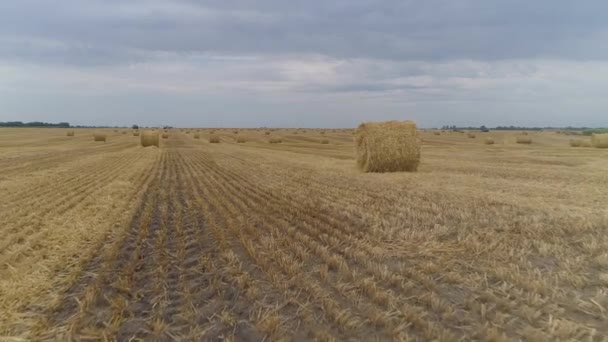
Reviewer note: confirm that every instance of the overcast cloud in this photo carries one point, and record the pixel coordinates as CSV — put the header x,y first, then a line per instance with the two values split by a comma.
x,y
326,63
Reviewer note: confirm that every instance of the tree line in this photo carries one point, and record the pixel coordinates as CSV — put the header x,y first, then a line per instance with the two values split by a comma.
x,y
515,128
33,124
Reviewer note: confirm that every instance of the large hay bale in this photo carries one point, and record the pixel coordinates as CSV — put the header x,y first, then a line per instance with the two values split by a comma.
x,y
70,133
489,141
165,135
99,137
599,140
196,136
149,138
471,135
214,139
275,140
387,146
523,139
436,133
324,141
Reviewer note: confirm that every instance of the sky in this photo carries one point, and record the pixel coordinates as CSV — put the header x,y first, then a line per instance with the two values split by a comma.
x,y
314,63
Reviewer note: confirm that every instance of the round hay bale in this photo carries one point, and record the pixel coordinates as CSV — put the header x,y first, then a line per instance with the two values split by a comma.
x,y
489,141
165,135
196,136
471,135
124,132
523,139
275,140
324,141
235,132
70,133
241,140
585,143
599,140
436,133
387,146
214,139
149,138
99,137
267,133
323,132
136,134
576,142
524,133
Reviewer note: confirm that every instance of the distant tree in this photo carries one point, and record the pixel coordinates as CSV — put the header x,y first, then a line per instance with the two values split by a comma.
x,y
135,127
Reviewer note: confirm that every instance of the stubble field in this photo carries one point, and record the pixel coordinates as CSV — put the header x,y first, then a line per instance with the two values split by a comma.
x,y
289,241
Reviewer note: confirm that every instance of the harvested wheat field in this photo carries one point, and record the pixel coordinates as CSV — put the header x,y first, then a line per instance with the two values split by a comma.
x,y
292,241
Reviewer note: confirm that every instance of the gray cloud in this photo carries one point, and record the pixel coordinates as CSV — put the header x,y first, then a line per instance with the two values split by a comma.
x,y
463,62
393,29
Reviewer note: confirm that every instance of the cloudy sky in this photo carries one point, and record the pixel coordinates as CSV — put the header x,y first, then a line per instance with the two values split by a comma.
x,y
315,63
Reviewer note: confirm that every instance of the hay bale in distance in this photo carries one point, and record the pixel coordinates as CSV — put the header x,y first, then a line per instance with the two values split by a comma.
x,y
471,135
136,134
241,140
576,142
324,141
489,141
523,139
196,136
99,137
275,140
149,138
165,135
387,146
214,139
267,133
436,133
70,133
599,140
